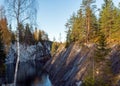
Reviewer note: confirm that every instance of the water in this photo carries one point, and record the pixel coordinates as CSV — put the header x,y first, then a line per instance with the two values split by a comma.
x,y
29,74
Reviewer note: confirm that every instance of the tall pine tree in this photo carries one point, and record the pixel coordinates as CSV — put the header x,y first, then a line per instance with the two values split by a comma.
x,y
106,18
88,7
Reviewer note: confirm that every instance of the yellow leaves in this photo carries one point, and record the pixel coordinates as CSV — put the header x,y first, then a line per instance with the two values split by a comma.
x,y
6,33
36,35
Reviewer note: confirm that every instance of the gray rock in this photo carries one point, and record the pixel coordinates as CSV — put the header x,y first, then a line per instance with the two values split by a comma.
x,y
29,52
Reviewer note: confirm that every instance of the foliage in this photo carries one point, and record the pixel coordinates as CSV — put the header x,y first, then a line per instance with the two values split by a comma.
x,y
109,17
40,35
102,48
21,33
6,32
28,35
101,63
89,81
84,26
68,38
55,46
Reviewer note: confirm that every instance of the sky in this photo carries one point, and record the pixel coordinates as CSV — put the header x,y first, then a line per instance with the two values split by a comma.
x,y
53,15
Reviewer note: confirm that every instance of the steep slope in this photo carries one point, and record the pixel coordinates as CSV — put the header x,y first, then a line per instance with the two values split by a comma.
x,y
69,65
115,59
115,64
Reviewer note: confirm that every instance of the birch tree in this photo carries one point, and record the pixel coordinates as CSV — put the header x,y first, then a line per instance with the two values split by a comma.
x,y
20,11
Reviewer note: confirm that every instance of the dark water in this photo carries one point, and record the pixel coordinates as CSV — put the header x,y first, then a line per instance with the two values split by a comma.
x,y
28,73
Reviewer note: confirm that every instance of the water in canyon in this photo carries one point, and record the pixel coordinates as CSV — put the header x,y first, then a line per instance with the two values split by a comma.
x,y
30,73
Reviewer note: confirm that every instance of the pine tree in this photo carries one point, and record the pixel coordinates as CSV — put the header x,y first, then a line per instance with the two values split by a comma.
x,y
115,31
94,28
54,48
81,26
88,8
102,48
40,36
28,35
13,39
106,18
2,55
21,33
77,32
68,35
70,27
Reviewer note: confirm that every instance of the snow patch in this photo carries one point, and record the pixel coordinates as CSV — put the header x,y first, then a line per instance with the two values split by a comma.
x,y
31,52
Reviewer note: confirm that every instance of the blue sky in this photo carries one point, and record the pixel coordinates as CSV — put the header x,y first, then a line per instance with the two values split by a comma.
x,y
53,14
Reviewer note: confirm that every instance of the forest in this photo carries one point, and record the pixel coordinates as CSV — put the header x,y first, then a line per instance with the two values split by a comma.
x,y
90,54
86,26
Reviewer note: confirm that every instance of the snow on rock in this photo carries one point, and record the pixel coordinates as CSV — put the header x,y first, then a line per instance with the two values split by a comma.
x,y
32,52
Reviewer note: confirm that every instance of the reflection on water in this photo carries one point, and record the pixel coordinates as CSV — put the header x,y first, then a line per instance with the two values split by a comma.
x,y
29,74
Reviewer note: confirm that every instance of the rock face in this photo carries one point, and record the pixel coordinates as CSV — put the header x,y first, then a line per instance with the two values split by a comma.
x,y
39,51
115,59
69,65
32,60
115,66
